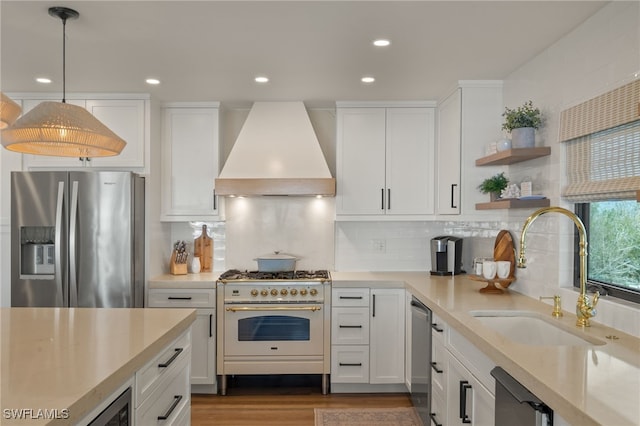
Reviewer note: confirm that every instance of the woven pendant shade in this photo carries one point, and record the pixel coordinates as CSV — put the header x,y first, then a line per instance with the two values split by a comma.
x,y
9,111
63,130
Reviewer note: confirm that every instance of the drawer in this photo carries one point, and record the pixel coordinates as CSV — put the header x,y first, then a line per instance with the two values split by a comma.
x,y
473,358
438,367
179,298
149,377
350,364
438,414
350,297
169,400
350,326
438,328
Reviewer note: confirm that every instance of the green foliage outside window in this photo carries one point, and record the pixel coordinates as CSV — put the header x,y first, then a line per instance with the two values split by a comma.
x,y
614,243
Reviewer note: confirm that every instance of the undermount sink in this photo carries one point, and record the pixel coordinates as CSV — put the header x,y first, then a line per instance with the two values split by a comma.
x,y
532,328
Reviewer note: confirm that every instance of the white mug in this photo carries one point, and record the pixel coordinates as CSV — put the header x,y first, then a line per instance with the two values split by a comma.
x,y
504,268
489,269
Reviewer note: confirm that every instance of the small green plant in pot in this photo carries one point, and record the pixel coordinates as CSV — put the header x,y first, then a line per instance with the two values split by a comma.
x,y
522,123
494,185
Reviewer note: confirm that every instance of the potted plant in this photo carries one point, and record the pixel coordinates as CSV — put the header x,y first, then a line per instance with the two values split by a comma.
x,y
522,123
494,186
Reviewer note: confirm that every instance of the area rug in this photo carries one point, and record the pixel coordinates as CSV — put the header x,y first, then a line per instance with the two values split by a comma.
x,y
366,417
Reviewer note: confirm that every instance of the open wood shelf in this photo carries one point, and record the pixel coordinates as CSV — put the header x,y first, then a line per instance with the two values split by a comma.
x,y
514,155
513,203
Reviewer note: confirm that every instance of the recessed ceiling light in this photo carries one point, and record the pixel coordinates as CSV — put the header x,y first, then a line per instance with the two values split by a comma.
x,y
153,81
381,42
43,80
367,79
262,79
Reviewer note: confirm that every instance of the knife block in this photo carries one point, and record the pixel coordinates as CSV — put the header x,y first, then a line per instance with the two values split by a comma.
x,y
177,268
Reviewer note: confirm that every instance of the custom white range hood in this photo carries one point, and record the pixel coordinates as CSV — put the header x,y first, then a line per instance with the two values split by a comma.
x,y
276,153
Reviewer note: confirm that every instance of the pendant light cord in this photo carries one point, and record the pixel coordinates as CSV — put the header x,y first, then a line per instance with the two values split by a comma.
x,y
64,60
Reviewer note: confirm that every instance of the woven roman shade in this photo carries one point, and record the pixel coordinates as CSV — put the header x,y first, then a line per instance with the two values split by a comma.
x,y
602,138
611,109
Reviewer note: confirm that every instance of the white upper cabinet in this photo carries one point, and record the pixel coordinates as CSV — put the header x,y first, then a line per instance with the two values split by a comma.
x,y
448,154
190,161
128,116
469,119
385,161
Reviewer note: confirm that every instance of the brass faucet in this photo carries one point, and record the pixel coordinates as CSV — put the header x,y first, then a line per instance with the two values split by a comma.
x,y
585,308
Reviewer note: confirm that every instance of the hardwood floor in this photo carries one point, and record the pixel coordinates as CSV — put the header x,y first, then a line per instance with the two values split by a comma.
x,y
278,401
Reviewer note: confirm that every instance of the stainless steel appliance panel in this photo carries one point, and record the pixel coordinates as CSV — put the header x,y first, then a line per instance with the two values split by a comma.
x,y
101,248
96,223
39,203
516,405
421,359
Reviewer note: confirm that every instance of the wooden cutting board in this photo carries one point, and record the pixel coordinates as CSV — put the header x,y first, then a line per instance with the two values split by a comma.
x,y
203,248
504,249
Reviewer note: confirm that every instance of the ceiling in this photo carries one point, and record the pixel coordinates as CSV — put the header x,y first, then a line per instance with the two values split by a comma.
x,y
315,51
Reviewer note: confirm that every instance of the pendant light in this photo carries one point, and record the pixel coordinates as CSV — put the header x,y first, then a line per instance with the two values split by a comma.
x,y
58,128
9,111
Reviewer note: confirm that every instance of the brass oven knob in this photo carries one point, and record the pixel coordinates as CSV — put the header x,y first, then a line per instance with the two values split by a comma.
x,y
294,291
254,292
313,292
264,292
274,292
303,292
284,292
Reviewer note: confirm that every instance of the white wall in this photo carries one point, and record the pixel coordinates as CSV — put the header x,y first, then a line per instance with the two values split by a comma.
x,y
600,55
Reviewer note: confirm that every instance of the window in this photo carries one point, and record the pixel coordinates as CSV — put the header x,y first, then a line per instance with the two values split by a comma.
x,y
602,140
613,261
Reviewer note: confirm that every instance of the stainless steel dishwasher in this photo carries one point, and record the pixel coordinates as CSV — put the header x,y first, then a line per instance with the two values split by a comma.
x,y
516,405
421,359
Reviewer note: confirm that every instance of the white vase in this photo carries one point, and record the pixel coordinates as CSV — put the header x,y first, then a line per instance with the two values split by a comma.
x,y
504,144
523,137
195,265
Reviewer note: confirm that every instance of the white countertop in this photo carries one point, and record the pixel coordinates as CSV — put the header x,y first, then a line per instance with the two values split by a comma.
x,y
72,359
586,385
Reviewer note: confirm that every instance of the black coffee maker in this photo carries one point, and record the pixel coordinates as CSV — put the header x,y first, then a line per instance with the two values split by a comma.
x,y
446,255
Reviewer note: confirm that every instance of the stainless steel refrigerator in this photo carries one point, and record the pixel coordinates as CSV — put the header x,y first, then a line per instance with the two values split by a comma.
x,y
77,239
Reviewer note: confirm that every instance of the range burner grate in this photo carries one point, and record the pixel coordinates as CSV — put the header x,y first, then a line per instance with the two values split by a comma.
x,y
237,275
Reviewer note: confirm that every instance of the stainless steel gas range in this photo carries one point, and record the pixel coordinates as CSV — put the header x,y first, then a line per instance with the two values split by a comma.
x,y
273,323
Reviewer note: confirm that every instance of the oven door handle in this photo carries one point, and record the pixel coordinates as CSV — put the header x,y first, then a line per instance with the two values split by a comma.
x,y
271,308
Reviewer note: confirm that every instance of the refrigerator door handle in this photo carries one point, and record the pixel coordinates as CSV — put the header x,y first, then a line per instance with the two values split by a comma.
x,y
73,282
60,296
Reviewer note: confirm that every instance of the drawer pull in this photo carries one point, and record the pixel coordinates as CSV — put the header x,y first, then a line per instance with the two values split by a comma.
x,y
173,358
351,297
433,419
350,326
178,298
348,364
436,328
434,365
176,401
464,386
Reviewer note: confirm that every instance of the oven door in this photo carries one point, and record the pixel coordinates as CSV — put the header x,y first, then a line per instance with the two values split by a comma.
x,y
273,330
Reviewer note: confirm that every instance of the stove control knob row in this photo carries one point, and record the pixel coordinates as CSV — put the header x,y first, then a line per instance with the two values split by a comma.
x,y
274,292
284,292
313,292
293,291
303,292
254,292
264,293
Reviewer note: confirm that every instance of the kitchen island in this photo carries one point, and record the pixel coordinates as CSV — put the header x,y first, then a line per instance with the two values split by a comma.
x,y
585,385
59,364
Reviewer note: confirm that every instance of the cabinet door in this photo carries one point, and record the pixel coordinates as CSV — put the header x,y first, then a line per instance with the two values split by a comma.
x,y
410,161
448,154
360,161
189,164
387,345
468,401
47,161
203,353
127,119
